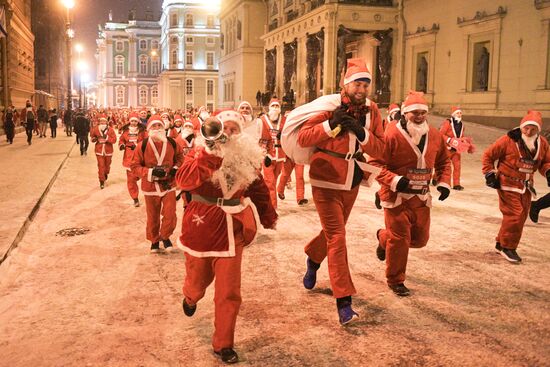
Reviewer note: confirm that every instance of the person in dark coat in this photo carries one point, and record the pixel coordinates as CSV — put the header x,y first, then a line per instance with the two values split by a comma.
x,y
82,129
53,123
68,121
9,124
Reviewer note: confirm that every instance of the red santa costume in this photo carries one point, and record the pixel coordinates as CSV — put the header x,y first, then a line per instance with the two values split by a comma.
x,y
519,156
175,130
453,131
156,161
336,131
229,201
393,114
413,153
132,134
288,167
202,115
104,137
269,132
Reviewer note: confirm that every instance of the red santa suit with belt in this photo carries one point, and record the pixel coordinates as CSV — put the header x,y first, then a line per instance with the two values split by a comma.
x,y
289,166
407,214
104,140
515,170
269,131
160,196
453,131
229,201
335,180
128,142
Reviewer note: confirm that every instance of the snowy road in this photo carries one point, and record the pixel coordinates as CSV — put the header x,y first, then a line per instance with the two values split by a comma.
x,y
101,299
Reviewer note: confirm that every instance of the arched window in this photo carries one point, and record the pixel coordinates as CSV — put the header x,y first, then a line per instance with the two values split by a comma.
x,y
119,65
155,66
154,95
188,20
174,57
143,94
143,61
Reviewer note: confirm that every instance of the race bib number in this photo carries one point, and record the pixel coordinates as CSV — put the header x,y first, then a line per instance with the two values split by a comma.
x,y
526,165
274,134
419,178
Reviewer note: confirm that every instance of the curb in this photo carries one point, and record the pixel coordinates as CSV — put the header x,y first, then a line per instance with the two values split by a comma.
x,y
35,209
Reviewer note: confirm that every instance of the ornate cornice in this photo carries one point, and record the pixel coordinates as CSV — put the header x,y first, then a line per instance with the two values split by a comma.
x,y
422,31
482,16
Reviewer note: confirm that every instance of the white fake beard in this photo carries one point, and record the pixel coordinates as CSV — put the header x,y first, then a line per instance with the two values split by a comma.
x,y
457,119
416,131
186,132
102,127
133,129
529,141
166,123
241,163
273,114
247,118
158,135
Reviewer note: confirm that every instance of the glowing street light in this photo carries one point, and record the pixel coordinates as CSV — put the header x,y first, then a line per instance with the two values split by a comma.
x,y
69,4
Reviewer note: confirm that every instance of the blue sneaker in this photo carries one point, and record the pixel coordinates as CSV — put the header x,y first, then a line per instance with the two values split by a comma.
x,y
310,278
346,314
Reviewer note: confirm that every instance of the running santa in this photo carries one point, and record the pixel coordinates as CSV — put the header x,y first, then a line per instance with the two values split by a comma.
x,y
132,134
104,137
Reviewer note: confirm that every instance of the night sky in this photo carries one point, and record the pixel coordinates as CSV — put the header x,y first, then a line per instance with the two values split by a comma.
x,y
89,13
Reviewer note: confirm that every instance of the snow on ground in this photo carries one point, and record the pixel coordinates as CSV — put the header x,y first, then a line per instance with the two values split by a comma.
x,y
101,299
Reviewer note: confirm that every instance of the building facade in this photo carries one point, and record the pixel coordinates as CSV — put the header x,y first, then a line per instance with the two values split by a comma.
x,y
190,45
242,51
128,63
491,58
17,54
48,26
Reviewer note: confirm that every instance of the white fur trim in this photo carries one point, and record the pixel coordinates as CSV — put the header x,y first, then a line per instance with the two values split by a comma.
x,y
393,186
150,175
394,110
416,106
366,140
443,184
356,76
530,122
454,113
326,127
158,193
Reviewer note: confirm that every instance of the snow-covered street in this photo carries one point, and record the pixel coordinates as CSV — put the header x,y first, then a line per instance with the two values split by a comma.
x,y
101,299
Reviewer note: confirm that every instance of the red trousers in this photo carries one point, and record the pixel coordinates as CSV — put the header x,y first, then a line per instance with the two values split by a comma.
x,y
271,174
131,182
455,160
157,206
515,209
407,225
103,166
334,208
288,166
200,272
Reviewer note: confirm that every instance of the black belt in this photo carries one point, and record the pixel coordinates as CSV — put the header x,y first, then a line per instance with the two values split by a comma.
x,y
278,146
347,156
423,191
215,201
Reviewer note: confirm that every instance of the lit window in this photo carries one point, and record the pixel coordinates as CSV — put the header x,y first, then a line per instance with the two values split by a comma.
x,y
143,95
154,96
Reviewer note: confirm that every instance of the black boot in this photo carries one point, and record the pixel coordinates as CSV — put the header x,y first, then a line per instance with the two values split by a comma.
x,y
228,355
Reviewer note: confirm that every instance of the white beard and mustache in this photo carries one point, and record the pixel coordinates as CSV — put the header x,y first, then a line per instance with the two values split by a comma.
x,y
416,131
158,135
241,163
529,141
274,114
186,132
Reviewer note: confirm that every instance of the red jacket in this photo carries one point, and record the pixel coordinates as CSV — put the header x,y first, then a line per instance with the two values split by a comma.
x,y
270,137
514,167
209,230
130,142
103,140
156,154
449,132
401,156
337,173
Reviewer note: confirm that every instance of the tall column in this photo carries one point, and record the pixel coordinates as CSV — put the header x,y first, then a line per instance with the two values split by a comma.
x,y
329,54
109,60
132,57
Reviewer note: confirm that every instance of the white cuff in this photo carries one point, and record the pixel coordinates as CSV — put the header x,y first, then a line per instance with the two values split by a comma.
x,y
176,167
150,175
393,185
366,140
443,184
326,127
448,140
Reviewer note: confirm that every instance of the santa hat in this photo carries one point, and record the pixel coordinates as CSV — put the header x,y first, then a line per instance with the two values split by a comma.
x,y
274,101
178,118
244,103
414,101
188,123
393,108
357,70
102,117
165,114
230,115
155,119
133,116
454,110
532,118
201,108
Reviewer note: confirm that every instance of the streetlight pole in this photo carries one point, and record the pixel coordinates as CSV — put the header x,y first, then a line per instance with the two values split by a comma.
x,y
78,47
69,33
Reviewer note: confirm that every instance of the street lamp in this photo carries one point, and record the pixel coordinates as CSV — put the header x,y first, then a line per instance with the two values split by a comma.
x,y
69,4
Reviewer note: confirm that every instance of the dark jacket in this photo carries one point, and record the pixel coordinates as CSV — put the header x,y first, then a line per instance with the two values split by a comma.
x,y
81,125
42,115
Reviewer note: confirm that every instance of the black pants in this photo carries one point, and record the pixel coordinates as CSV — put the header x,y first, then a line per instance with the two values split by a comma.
x,y
10,132
542,203
29,130
53,129
84,142
69,129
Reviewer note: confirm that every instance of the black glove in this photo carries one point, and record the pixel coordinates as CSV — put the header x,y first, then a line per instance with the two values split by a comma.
x,y
172,172
402,184
133,146
159,172
492,181
279,135
267,161
338,116
210,143
444,193
351,124
122,147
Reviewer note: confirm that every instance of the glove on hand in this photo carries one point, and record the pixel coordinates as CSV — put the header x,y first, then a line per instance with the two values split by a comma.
x,y
267,161
444,193
159,172
133,146
351,124
491,180
402,184
122,147
172,172
338,116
